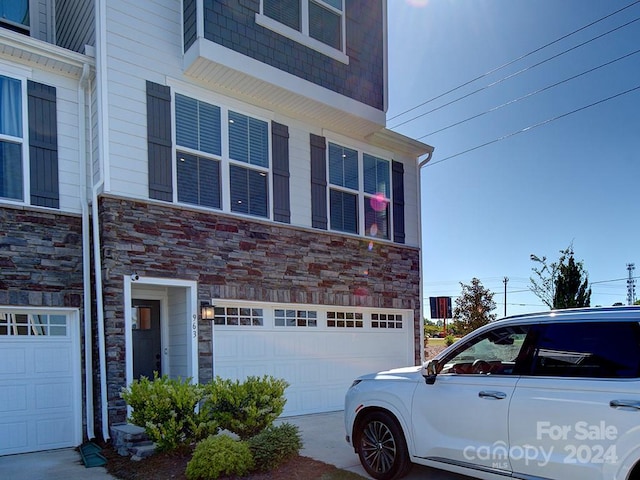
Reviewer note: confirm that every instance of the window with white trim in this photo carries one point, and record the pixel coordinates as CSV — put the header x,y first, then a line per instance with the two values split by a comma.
x,y
12,139
204,160
359,192
344,320
295,318
14,14
321,20
31,325
239,316
386,320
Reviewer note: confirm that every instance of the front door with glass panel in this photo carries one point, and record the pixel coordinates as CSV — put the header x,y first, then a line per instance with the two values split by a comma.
x,y
147,344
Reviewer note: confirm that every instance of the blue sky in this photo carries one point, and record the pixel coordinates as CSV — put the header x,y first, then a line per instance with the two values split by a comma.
x,y
570,180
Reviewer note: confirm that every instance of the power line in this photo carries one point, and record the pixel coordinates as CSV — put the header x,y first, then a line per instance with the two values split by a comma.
x,y
531,127
530,94
523,70
511,62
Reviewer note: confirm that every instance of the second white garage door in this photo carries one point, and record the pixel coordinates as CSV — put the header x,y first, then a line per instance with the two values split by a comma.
x,y
40,400
319,351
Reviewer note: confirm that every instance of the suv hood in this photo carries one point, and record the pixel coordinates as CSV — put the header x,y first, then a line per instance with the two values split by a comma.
x,y
405,373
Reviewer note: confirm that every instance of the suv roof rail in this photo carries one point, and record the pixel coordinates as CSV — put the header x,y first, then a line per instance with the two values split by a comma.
x,y
568,311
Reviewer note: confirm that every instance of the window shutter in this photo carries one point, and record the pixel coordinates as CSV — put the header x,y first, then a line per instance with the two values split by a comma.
x,y
159,141
43,145
318,182
280,155
398,202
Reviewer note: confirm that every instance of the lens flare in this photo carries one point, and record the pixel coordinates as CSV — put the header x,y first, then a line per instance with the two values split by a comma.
x,y
378,202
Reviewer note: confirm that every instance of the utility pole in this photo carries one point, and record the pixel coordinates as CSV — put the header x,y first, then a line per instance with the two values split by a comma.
x,y
631,285
506,280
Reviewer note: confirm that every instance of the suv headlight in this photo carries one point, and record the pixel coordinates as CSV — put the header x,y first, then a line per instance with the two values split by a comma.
x,y
355,382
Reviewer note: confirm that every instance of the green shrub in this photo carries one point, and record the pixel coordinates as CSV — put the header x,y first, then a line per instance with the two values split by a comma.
x,y
166,409
274,445
244,408
449,340
219,455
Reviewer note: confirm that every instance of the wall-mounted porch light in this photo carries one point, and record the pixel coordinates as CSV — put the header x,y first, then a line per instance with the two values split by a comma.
x,y
207,311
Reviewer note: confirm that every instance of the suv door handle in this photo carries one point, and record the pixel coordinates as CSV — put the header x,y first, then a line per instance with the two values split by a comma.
x,y
492,394
635,404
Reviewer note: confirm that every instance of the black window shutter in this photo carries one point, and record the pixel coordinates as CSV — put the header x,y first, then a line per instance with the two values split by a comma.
x,y
280,155
43,145
318,182
398,201
159,141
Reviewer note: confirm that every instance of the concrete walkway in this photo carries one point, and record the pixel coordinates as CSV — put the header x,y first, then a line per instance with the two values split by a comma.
x,y
322,434
63,464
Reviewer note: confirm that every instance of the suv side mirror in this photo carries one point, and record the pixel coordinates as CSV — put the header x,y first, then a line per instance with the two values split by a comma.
x,y
430,372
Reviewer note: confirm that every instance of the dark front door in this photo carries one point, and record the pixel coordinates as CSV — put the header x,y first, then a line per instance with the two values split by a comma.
x,y
146,338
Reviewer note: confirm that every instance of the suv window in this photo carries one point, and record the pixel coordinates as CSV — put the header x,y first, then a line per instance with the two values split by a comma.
x,y
588,349
495,352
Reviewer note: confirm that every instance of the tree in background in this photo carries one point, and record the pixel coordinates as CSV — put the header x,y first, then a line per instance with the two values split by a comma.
x,y
473,307
561,284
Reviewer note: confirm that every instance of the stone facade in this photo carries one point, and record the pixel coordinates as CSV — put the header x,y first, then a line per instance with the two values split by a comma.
x,y
40,258
242,259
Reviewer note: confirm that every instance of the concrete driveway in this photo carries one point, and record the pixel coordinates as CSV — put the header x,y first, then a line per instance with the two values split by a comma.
x,y
323,437
322,434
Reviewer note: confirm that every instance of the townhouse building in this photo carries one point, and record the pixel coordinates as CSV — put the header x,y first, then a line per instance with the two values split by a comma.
x,y
198,188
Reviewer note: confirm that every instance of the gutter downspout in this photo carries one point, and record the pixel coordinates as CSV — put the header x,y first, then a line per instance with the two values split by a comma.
x,y
419,180
85,154
103,155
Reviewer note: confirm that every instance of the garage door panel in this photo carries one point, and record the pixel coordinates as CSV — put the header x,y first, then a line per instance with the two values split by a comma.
x,y
54,395
13,398
54,432
14,361
52,360
40,396
319,362
13,437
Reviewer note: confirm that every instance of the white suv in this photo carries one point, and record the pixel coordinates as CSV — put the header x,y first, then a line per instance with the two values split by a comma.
x,y
554,395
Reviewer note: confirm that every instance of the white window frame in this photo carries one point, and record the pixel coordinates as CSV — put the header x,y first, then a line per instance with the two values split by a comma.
x,y
23,141
224,159
303,37
26,29
362,195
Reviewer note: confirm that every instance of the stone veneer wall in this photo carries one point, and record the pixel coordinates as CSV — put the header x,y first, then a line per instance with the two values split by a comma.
x,y
40,258
242,259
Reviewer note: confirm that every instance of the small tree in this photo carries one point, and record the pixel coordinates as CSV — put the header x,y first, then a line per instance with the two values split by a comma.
x,y
473,307
561,284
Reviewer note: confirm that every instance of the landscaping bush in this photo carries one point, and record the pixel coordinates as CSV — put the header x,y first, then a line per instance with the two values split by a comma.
x,y
219,455
274,445
449,340
166,409
244,408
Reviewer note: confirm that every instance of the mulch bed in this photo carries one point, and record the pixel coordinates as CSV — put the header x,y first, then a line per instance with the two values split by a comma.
x,y
172,466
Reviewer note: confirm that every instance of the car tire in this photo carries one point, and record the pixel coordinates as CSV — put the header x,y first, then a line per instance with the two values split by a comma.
x,y
381,446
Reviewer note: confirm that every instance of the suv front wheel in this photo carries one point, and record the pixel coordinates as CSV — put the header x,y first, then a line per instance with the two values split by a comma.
x,y
381,446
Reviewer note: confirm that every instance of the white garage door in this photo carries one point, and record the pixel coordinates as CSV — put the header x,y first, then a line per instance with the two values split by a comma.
x,y
39,381
318,351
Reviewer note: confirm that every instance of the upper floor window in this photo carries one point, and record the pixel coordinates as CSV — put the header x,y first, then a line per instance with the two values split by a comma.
x,y
320,20
359,188
11,139
14,14
231,175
